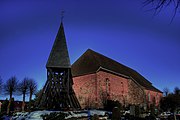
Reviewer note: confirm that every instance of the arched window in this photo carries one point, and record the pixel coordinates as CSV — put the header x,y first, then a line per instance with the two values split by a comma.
x,y
157,98
122,86
107,86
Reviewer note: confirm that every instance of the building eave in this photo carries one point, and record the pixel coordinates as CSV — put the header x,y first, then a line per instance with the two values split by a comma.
x,y
102,68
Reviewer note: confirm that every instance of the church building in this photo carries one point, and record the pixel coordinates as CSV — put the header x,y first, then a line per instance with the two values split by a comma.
x,y
98,78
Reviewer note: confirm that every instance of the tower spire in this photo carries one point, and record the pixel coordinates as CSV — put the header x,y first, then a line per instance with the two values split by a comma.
x,y
58,92
59,57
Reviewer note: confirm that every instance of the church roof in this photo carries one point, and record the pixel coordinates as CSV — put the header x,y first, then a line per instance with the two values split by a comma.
x,y
91,62
59,57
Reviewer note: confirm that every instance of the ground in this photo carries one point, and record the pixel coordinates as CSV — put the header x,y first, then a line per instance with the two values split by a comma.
x,y
36,115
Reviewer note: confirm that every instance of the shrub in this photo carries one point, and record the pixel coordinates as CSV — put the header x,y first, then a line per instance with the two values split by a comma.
x,y
4,106
53,116
111,104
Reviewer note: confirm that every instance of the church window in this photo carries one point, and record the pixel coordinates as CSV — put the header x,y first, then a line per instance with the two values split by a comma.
x,y
107,86
157,98
122,87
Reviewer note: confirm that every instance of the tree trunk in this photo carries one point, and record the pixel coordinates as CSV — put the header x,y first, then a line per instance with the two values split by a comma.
x,y
30,97
9,104
23,103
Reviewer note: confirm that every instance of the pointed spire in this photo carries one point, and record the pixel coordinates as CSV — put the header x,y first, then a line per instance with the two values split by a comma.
x,y
59,57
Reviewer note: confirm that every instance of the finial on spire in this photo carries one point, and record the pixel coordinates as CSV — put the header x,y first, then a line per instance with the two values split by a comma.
x,y
62,15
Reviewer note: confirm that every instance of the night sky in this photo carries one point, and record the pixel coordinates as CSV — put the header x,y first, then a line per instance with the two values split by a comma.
x,y
119,29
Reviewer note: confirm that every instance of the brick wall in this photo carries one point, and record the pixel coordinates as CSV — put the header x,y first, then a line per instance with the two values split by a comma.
x,y
84,87
93,90
153,97
112,87
136,94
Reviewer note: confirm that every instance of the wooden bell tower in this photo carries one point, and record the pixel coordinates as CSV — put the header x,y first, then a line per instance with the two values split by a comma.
x,y
58,93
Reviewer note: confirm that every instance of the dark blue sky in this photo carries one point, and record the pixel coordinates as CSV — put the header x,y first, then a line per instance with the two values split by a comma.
x,y
119,29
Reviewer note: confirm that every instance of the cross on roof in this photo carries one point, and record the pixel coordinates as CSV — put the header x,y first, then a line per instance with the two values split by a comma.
x,y
62,15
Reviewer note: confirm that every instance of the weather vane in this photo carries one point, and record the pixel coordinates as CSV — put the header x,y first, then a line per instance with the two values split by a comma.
x,y
62,15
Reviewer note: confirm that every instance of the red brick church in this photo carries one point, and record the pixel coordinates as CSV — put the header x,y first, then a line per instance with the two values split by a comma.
x,y
98,78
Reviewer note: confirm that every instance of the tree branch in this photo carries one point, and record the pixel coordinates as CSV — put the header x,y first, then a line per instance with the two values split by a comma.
x,y
158,5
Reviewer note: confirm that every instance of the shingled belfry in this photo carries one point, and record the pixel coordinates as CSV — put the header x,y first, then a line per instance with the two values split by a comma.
x,y
58,92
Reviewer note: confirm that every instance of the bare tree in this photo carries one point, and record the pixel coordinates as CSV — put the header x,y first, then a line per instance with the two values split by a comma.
x,y
176,91
10,87
32,88
166,91
158,5
23,89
